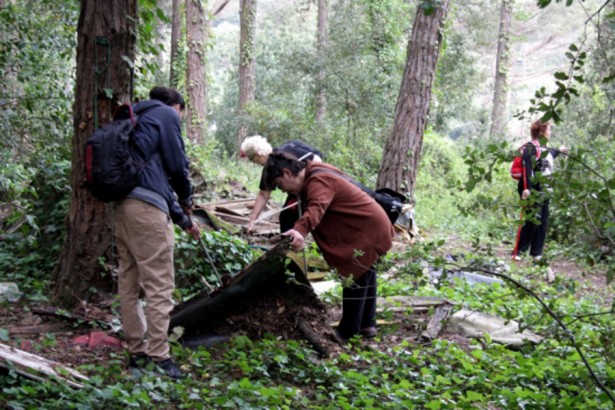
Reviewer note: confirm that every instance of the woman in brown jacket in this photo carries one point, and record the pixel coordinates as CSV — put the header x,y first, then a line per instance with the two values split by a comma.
x,y
350,228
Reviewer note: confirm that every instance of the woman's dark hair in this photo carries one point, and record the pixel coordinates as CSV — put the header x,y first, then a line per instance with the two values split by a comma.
x,y
169,96
538,128
277,162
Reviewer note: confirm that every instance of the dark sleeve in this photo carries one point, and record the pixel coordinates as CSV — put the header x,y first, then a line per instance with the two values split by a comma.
x,y
528,158
174,157
178,216
263,183
554,152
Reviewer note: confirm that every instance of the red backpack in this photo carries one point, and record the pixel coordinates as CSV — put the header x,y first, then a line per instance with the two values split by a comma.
x,y
516,168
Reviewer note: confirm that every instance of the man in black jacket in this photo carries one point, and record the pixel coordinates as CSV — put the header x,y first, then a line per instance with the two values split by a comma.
x,y
144,230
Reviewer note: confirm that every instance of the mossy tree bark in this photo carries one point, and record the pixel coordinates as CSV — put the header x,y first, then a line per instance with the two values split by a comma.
x,y
502,66
196,77
106,39
247,64
402,152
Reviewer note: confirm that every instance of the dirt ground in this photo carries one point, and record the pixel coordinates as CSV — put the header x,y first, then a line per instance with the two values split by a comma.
x,y
278,312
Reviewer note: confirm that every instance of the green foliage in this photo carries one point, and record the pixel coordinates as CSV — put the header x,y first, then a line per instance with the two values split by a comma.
x,y
28,255
545,3
444,202
453,105
147,67
228,254
37,61
270,373
360,101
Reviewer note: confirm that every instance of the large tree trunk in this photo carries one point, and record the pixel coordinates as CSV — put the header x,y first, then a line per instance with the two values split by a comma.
x,y
247,67
402,152
321,44
502,65
176,30
196,79
106,37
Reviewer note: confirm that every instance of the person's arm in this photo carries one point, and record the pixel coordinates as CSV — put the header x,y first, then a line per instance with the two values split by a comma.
x,y
528,159
259,205
173,155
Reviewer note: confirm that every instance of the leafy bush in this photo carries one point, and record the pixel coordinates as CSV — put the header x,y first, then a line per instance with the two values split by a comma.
x,y
28,255
194,259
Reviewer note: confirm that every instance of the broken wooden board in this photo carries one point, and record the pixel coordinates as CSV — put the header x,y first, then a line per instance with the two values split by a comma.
x,y
37,367
37,329
411,302
437,321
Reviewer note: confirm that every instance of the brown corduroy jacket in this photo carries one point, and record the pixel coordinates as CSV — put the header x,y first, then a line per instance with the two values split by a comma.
x,y
350,228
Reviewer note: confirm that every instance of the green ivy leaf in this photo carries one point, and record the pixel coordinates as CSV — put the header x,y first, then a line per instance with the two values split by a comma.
x,y
474,396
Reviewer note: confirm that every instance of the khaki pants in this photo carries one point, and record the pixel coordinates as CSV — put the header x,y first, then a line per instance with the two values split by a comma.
x,y
145,241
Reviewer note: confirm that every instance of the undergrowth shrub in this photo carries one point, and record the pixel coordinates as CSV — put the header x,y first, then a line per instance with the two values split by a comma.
x,y
443,203
194,259
28,255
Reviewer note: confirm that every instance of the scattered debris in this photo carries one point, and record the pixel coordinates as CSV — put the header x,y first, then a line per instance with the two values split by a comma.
x,y
437,321
469,277
475,325
9,291
90,313
37,329
37,367
414,303
97,339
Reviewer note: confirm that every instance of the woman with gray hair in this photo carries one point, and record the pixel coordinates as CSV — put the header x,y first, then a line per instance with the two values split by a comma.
x,y
257,150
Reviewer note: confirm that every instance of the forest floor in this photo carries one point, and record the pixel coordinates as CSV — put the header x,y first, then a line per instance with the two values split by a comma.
x,y
33,328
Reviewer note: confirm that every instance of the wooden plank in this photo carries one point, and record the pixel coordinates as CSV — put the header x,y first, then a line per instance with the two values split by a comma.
x,y
316,275
38,329
243,211
37,367
435,325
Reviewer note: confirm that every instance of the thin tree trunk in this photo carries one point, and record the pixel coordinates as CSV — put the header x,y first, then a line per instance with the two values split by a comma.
x,y
402,152
175,35
106,37
502,66
321,44
196,79
247,66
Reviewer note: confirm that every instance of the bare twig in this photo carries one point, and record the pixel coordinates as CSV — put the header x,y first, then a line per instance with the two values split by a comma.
x,y
608,312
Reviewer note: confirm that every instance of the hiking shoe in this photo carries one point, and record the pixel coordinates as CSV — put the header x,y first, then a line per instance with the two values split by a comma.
x,y
368,332
139,361
170,369
516,258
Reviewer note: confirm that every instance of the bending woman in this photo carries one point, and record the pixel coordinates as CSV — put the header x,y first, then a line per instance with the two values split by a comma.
x,y
257,150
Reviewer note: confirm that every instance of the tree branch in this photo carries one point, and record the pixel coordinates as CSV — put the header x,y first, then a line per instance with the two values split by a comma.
x,y
551,313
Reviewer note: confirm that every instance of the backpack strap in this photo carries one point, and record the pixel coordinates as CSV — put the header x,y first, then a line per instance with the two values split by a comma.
x,y
344,176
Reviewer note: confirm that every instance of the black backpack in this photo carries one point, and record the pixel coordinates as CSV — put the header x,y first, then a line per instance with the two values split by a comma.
x,y
112,168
